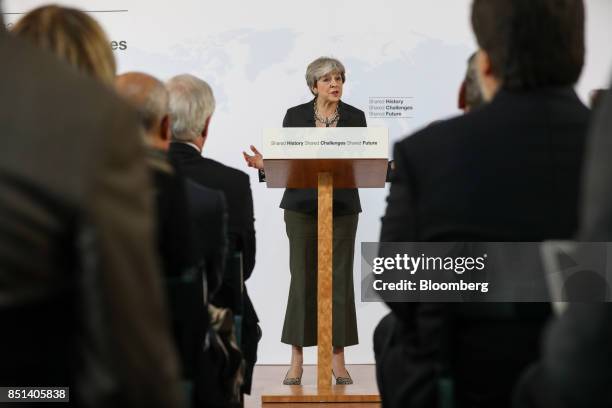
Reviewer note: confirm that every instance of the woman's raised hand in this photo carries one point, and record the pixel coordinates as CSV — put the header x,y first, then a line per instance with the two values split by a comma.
x,y
255,160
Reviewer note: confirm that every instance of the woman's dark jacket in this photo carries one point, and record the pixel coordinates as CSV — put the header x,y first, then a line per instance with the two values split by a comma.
x,y
346,201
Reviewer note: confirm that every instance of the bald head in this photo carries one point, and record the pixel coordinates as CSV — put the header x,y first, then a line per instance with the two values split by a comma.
x,y
149,96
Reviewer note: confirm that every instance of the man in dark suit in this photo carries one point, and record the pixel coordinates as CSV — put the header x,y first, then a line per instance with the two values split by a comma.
x,y
150,98
80,298
191,218
506,172
191,106
208,213
576,365
191,229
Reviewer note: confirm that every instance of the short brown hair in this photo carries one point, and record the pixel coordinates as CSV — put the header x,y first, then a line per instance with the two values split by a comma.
x,y
531,43
73,36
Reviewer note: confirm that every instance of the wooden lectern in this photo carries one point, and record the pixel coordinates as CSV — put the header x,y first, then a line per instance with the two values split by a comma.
x,y
316,167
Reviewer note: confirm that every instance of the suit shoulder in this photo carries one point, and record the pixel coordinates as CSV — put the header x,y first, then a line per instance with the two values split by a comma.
x,y
352,115
430,134
227,171
205,200
351,109
299,115
202,190
299,108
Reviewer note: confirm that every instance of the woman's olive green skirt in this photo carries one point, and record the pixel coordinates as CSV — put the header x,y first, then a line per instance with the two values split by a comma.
x,y
300,328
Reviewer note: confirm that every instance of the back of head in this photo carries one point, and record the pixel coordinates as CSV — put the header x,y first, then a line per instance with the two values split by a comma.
x,y
191,104
531,43
147,94
73,36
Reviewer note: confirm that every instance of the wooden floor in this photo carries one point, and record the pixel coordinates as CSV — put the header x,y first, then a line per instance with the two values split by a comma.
x,y
268,380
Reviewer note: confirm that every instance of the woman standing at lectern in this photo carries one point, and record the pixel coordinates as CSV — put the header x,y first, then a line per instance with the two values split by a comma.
x,y
325,78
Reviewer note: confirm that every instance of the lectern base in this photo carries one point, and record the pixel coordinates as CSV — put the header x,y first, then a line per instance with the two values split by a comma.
x,y
309,394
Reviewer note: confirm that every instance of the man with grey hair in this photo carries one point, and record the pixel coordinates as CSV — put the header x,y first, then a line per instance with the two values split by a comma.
x,y
150,98
192,104
191,217
191,222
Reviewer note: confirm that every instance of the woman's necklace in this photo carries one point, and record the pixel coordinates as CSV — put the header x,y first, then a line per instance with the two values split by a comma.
x,y
328,121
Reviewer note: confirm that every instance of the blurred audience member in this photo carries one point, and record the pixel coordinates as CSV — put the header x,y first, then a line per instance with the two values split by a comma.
x,y
596,221
80,301
576,365
509,171
191,107
73,36
470,94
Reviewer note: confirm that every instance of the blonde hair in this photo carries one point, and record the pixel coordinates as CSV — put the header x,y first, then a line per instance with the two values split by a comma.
x,y
73,36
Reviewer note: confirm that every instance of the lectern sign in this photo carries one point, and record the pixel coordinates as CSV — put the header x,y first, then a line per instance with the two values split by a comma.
x,y
326,143
357,157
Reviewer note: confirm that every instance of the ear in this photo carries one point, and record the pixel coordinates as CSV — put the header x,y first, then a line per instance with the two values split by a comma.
x,y
205,130
462,104
489,84
164,130
488,66
483,63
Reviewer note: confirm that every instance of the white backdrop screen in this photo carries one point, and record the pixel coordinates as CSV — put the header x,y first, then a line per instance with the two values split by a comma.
x,y
254,54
